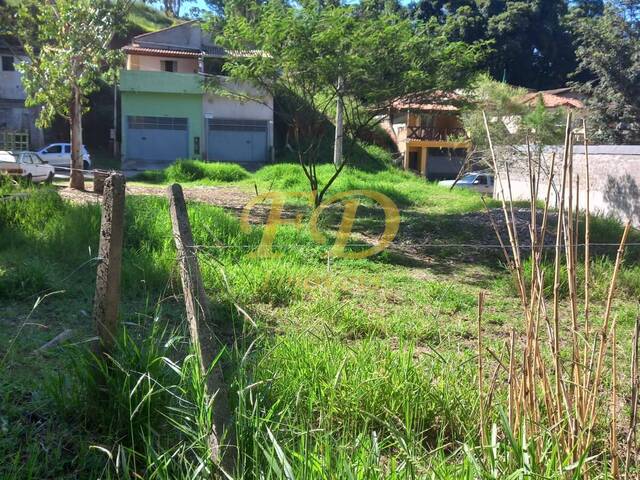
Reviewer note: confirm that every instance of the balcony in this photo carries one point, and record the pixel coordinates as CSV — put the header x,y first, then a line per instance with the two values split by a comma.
x,y
436,134
160,82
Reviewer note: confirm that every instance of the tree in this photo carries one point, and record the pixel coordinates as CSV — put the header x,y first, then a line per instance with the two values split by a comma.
x,y
532,42
67,42
172,7
609,52
309,57
512,123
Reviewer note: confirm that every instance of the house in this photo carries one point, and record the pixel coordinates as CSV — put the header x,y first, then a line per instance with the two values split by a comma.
x,y
17,122
565,97
168,114
429,135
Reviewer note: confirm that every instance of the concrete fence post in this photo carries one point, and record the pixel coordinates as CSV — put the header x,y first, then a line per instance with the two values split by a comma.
x,y
201,327
107,296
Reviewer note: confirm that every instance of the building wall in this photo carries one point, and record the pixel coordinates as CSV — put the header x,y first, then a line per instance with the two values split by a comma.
x,y
11,86
154,104
14,116
220,107
153,64
217,106
614,173
189,35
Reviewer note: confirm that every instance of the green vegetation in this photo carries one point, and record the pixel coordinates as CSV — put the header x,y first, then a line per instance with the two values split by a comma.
x,y
317,58
194,170
144,18
345,369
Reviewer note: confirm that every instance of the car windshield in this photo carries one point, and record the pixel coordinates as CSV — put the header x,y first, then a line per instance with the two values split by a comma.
x,y
7,157
468,178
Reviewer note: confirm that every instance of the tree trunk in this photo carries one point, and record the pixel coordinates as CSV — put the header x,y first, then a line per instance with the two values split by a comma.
x,y
337,146
76,179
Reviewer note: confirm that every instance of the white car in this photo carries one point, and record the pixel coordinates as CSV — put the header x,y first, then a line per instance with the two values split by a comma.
x,y
59,155
479,181
27,165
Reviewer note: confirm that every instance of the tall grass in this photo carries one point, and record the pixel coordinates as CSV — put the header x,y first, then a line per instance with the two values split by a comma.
x,y
339,369
556,368
195,171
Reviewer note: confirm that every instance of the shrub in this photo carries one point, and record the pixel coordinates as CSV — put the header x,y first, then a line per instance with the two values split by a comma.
x,y
193,170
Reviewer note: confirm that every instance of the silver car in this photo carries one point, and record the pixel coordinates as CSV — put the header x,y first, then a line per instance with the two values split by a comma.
x,y
479,181
27,165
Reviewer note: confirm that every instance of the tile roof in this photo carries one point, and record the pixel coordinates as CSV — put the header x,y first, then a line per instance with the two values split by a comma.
x,y
552,100
428,102
209,51
164,52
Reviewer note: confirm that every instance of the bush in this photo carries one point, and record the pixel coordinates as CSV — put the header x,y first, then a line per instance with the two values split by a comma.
x,y
192,170
184,171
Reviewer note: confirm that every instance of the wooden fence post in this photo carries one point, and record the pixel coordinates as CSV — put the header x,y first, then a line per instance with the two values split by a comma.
x,y
107,297
201,325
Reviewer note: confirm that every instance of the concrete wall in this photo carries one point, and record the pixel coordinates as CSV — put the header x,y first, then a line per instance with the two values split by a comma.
x,y
14,116
217,106
220,107
164,105
187,35
160,82
10,81
153,64
614,184
11,86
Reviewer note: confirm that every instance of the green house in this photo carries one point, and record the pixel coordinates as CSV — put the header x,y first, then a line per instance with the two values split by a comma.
x,y
167,114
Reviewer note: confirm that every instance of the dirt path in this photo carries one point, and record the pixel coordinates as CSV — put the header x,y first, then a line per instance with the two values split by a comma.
x,y
419,241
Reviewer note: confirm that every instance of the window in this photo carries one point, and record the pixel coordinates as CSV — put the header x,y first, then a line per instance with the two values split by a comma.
x,y
7,63
26,158
169,65
427,120
67,149
36,159
414,161
481,180
54,149
214,65
157,123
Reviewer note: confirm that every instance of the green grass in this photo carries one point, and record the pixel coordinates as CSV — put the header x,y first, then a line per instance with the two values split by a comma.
x,y
144,18
346,369
187,171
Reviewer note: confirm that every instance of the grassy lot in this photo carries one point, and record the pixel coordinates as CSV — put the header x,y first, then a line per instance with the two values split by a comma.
x,y
346,368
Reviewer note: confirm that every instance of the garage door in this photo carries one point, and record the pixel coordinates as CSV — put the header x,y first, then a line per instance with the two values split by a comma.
x,y
158,140
243,141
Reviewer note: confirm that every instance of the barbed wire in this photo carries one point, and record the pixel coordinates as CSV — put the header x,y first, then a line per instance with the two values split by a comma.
x,y
426,245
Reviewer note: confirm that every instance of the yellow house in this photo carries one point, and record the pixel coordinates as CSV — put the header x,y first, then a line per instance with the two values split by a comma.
x,y
429,136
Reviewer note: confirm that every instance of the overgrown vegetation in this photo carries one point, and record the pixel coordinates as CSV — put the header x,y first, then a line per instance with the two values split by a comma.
x,y
346,368
194,170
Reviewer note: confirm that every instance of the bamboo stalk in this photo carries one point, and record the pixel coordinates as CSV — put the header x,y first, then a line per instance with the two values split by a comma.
x,y
483,438
556,282
614,413
587,266
603,334
633,421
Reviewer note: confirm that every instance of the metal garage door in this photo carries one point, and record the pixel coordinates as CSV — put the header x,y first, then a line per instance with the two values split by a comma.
x,y
243,141
159,140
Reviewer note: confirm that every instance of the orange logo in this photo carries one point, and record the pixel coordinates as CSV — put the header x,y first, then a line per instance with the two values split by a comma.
x,y
351,200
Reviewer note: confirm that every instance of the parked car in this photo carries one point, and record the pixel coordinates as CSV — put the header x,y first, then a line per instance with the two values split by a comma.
x,y
27,165
59,155
479,181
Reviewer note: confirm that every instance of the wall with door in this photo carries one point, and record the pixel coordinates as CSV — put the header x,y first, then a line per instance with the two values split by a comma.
x,y
239,130
147,110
